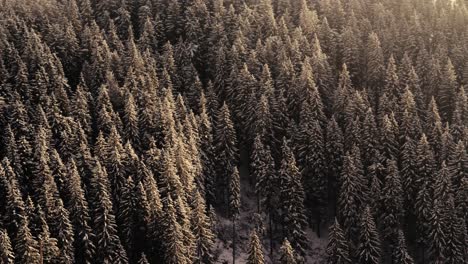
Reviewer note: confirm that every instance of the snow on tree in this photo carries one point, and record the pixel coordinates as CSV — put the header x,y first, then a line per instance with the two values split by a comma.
x,y
202,230
392,193
255,250
287,253
369,247
338,247
292,200
7,255
400,254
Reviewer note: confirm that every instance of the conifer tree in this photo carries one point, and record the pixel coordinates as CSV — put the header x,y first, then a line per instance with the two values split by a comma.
x,y
334,149
108,245
401,254
143,259
26,247
368,251
266,181
48,249
202,231
292,200
225,142
393,201
255,250
351,194
448,91
174,250
375,66
6,251
77,205
62,229
234,206
337,248
287,253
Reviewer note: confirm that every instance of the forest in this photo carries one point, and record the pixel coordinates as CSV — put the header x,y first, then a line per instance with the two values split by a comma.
x,y
233,131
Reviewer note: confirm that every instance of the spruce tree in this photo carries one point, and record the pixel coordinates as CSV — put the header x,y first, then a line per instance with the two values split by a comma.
x,y
225,143
77,205
26,247
337,248
351,194
174,250
393,201
255,250
292,200
108,245
6,251
400,254
287,255
202,230
234,206
369,246
48,249
143,259
448,91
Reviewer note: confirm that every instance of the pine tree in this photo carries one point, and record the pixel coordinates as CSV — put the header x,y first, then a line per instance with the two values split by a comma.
x,y
174,250
131,122
234,206
225,142
393,202
375,63
368,251
334,149
26,247
337,248
287,255
392,82
255,250
266,181
143,259
62,229
202,231
400,254
48,249
351,194
77,205
108,245
6,251
448,91
292,200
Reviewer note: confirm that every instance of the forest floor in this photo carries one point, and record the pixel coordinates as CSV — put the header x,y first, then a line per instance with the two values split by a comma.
x,y
246,223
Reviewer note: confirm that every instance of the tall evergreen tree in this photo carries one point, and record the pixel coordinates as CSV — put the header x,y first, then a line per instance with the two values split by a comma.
x,y
202,231
292,201
337,248
226,149
234,206
368,250
255,250
6,251
400,254
393,202
287,253
351,194
26,247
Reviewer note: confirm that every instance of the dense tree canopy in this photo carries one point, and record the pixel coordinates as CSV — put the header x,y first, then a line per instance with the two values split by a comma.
x,y
128,127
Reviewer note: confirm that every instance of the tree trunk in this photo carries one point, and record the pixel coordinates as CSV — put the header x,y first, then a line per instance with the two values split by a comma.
x,y
233,241
318,225
271,235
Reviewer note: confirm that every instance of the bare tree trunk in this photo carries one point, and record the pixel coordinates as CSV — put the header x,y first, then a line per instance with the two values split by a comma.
x,y
271,236
233,240
41,254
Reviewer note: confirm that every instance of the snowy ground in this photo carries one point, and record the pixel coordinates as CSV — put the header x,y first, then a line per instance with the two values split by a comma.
x,y
245,224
